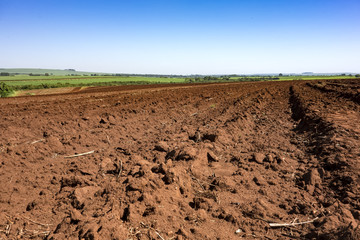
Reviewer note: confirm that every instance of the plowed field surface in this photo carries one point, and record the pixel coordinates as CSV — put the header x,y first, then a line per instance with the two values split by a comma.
x,y
208,161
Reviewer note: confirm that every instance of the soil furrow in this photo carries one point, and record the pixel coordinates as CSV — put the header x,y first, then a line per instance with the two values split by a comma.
x,y
181,162
346,91
334,141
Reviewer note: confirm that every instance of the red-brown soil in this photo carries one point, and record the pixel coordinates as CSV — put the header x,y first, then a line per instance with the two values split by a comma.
x,y
211,161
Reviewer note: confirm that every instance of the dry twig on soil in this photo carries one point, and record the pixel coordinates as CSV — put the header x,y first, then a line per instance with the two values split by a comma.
x,y
41,224
197,180
40,140
78,155
8,229
291,224
159,235
36,232
120,170
148,227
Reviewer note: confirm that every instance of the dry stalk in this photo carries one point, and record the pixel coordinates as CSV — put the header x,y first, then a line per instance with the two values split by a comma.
x,y
120,170
37,232
41,224
81,154
40,140
148,227
291,224
159,235
197,180
8,229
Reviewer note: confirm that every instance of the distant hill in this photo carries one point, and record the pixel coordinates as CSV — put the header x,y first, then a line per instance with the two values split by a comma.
x,y
42,71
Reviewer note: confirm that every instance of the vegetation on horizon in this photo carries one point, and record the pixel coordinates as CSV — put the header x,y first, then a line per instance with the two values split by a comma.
x,y
31,82
13,83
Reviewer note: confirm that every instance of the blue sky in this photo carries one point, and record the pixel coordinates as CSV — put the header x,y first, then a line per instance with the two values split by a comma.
x,y
182,36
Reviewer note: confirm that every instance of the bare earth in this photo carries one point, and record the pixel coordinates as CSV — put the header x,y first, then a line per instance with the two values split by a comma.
x,y
208,161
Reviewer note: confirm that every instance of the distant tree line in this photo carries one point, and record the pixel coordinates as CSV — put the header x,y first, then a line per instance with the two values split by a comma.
x,y
229,79
38,74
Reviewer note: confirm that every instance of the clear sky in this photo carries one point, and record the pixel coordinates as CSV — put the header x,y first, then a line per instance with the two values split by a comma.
x,y
181,36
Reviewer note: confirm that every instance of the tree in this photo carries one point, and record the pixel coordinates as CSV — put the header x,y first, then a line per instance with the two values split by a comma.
x,y
4,74
5,90
357,75
280,74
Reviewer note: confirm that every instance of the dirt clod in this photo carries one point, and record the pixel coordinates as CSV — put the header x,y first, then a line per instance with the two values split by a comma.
x,y
312,177
259,157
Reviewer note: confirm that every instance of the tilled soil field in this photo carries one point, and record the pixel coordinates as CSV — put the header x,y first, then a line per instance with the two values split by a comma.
x,y
209,161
